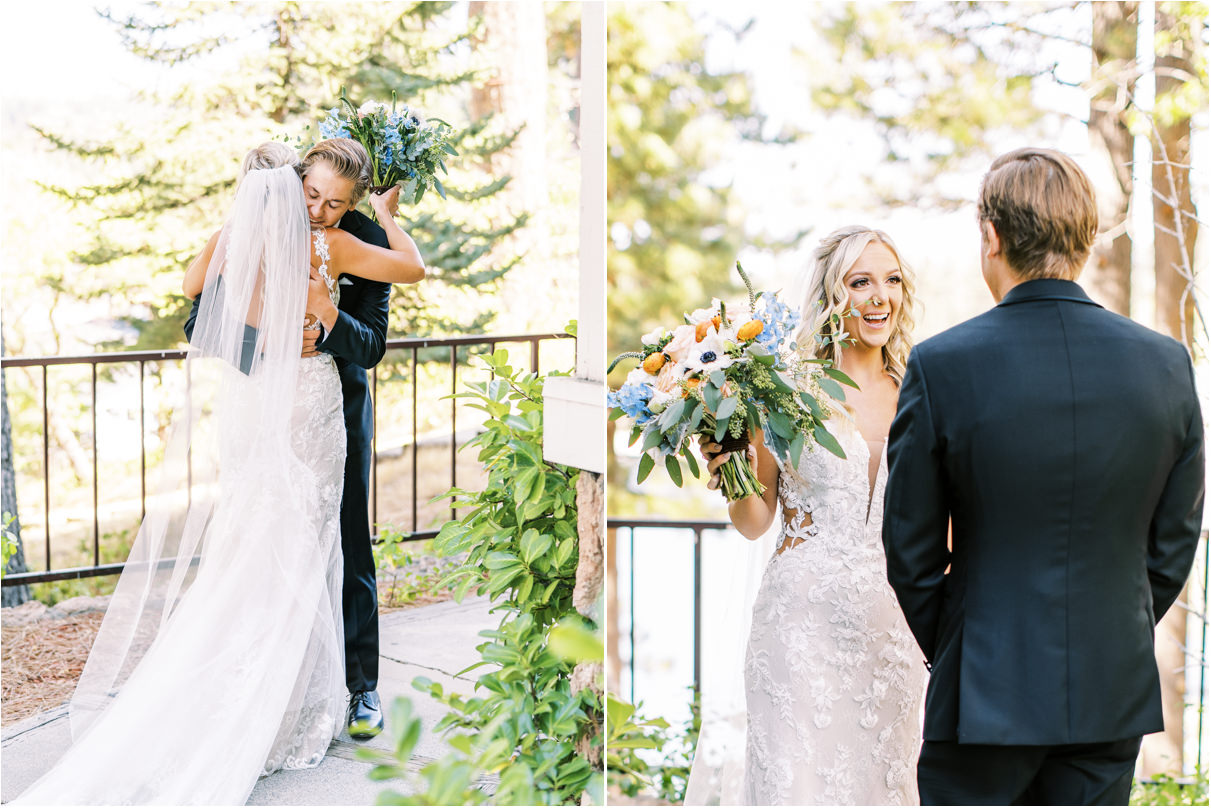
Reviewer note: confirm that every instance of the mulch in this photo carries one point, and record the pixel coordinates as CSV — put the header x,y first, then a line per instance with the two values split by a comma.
x,y
41,662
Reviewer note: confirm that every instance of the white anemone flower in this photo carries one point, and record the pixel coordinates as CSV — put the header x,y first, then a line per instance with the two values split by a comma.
x,y
698,315
654,337
708,355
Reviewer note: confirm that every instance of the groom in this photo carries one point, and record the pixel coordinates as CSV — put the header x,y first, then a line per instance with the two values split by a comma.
x,y
336,173
1063,446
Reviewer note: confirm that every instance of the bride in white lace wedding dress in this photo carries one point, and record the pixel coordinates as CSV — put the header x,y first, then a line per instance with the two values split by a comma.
x,y
833,679
220,658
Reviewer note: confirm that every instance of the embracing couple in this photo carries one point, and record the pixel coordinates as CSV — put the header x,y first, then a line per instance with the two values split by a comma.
x,y
248,603
1030,482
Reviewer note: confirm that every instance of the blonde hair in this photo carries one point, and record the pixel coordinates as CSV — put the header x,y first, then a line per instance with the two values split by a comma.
x,y
827,295
269,155
347,158
1044,211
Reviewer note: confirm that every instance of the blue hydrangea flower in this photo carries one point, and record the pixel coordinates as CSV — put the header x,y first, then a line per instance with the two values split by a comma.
x,y
632,399
780,322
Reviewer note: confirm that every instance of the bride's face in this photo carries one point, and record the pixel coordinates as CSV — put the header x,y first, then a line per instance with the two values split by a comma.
x,y
876,289
328,195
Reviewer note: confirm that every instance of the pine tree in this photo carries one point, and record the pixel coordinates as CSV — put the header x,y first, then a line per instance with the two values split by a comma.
x,y
270,71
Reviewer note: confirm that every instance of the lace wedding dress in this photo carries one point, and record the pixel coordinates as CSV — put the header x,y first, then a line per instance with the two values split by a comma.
x,y
221,657
833,677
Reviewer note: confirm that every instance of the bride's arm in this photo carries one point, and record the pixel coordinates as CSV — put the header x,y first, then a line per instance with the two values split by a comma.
x,y
400,264
195,275
751,516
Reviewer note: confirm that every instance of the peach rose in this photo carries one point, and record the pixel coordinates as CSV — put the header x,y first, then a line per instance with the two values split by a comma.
x,y
683,340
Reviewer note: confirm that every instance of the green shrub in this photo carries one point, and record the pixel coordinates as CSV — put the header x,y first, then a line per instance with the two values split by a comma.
x,y
524,731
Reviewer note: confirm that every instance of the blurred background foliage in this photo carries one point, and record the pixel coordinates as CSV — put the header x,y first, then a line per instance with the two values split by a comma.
x,y
750,132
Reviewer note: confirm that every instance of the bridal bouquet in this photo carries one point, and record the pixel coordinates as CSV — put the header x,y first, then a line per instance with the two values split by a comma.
x,y
404,147
722,377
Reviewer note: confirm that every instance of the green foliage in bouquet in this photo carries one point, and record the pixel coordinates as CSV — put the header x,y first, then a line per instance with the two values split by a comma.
x,y
727,379
527,725
405,149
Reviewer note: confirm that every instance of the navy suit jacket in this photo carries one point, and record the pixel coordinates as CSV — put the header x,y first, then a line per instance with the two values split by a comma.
x,y
1064,445
358,339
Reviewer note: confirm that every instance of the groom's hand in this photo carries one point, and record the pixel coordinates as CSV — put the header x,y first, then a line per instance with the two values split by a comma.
x,y
310,337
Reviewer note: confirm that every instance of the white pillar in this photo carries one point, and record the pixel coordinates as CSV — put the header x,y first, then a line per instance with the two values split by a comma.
x,y
574,412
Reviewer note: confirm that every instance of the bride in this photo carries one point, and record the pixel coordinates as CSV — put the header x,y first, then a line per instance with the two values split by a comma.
x,y
832,676
220,657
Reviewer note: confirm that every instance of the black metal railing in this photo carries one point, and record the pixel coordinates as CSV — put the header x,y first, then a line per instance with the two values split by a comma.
x,y
696,528
417,351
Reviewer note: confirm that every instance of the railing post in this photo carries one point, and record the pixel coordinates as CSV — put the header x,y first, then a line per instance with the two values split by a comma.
x,y
697,609
453,426
142,448
96,498
46,465
415,440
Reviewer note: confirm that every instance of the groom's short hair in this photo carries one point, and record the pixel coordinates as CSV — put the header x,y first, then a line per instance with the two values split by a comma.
x,y
1044,211
347,158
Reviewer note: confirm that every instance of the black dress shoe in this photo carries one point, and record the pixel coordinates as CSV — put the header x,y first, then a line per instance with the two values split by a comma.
x,y
365,716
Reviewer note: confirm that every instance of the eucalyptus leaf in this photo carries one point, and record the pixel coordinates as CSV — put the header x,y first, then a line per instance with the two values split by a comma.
x,y
824,438
673,468
646,464
832,388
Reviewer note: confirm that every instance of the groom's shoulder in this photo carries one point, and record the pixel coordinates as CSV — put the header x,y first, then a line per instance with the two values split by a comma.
x,y
960,338
358,224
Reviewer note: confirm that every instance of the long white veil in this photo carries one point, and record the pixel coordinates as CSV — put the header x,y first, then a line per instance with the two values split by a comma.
x,y
717,773
220,656
233,415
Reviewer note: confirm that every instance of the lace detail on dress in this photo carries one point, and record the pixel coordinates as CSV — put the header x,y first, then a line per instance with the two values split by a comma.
x,y
321,250
833,680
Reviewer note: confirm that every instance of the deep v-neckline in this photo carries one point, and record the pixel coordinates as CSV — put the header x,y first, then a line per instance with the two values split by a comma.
x,y
871,484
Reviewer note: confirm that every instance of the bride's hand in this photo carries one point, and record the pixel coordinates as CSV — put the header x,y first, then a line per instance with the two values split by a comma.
x,y
715,457
386,204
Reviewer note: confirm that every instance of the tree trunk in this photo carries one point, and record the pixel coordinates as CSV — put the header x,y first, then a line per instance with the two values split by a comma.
x,y
590,576
1174,232
12,595
1108,275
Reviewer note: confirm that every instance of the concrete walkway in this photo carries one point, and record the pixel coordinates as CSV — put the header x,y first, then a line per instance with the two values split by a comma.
x,y
433,641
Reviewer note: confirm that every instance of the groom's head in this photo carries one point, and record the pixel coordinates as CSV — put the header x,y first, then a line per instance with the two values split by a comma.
x,y
336,175
1038,216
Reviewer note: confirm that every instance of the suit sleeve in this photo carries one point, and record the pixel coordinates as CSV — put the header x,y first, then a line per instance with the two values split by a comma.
x,y
1173,534
916,515
359,335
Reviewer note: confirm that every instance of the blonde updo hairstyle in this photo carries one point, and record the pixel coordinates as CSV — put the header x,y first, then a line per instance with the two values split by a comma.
x,y
827,295
269,155
347,158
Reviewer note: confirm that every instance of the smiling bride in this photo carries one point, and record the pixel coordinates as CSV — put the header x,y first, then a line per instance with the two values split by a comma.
x,y
833,678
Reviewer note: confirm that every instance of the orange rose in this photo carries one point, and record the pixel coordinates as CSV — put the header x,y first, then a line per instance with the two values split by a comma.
x,y
750,330
690,384
715,321
701,329
654,362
